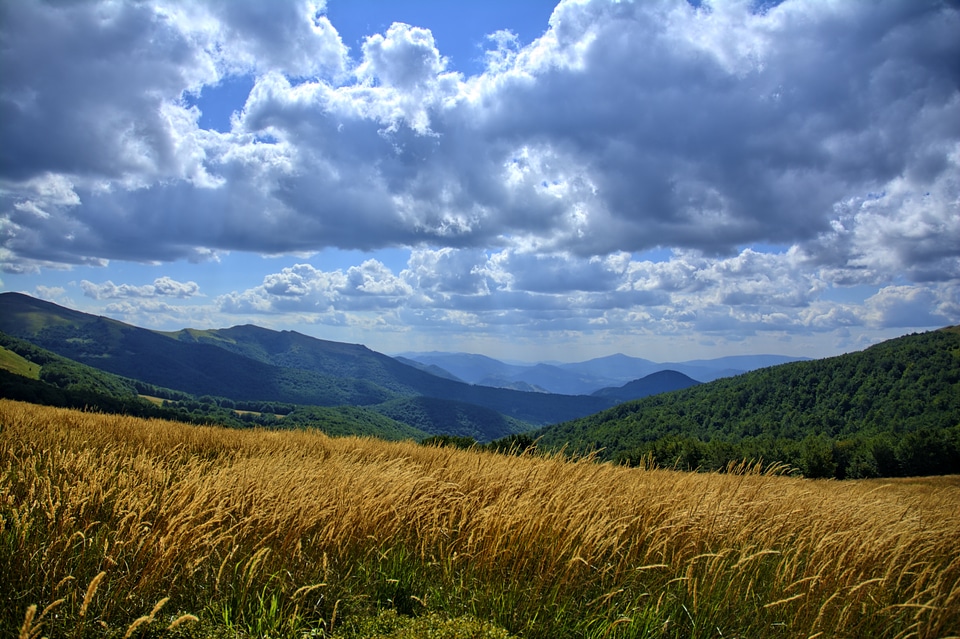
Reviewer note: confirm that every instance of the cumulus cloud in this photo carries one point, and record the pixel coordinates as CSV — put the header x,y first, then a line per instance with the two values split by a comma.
x,y
305,289
161,287
453,289
52,293
908,306
625,127
828,130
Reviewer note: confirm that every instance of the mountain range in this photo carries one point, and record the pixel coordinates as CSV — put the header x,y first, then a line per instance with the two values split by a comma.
x,y
485,398
892,409
583,378
254,364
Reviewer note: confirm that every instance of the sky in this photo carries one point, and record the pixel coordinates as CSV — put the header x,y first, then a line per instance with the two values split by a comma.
x,y
532,181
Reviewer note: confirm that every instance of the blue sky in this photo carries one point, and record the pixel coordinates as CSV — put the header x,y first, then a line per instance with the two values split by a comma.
x,y
528,180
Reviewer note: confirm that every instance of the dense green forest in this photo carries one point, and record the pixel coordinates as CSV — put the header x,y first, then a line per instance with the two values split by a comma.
x,y
890,410
456,419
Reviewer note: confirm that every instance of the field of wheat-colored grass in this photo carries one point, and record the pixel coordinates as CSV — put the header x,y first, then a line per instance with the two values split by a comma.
x,y
115,526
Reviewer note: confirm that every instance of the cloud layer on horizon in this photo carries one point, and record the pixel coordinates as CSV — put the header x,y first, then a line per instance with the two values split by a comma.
x,y
830,131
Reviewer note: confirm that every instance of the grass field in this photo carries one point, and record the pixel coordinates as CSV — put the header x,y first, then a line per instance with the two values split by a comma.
x,y
114,526
18,365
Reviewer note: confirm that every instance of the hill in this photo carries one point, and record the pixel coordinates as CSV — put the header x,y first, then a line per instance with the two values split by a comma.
x,y
446,417
429,368
154,358
892,409
652,384
30,373
250,363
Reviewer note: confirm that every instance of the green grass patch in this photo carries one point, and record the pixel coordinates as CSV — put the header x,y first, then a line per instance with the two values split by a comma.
x,y
17,365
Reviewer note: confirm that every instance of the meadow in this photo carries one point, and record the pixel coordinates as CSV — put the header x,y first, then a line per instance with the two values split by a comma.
x,y
123,527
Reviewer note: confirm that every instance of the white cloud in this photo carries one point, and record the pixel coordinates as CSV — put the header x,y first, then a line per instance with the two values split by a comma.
x,y
405,58
467,289
305,289
52,293
911,306
161,287
829,130
626,126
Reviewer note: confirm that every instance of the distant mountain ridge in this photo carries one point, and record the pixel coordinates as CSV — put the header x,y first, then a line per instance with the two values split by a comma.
x,y
589,376
653,384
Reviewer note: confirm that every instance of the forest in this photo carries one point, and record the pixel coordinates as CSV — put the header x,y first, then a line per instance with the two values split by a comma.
x,y
890,410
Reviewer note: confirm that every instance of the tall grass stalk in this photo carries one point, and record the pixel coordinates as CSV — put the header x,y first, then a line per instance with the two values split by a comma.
x,y
285,533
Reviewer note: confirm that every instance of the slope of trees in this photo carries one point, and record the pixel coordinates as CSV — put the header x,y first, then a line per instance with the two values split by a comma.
x,y
249,363
892,409
456,419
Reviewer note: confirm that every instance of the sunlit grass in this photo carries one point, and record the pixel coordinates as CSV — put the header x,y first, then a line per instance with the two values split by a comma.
x,y
118,526
16,364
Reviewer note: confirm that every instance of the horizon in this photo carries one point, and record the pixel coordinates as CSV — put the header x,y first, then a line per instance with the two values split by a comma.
x,y
535,182
508,361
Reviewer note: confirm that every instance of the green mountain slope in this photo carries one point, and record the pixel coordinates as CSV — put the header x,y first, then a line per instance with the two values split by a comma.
x,y
292,350
43,377
30,373
199,369
892,409
360,421
16,364
354,361
252,363
445,417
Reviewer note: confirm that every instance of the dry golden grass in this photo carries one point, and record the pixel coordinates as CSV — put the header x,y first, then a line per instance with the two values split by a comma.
x,y
108,519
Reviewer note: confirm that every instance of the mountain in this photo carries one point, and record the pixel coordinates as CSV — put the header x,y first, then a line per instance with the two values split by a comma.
x,y
30,373
445,417
246,363
198,368
652,384
352,361
892,409
616,367
429,368
564,379
584,378
468,367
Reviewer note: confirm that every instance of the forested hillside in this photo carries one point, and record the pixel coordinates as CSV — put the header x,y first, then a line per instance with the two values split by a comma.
x,y
892,409
457,419
652,384
32,374
249,363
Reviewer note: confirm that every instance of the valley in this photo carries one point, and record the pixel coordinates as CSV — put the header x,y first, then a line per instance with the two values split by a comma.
x,y
890,410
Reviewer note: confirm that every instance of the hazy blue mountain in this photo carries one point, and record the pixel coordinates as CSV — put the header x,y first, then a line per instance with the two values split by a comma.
x,y
581,378
620,368
565,379
498,382
473,369
555,379
652,384
430,368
